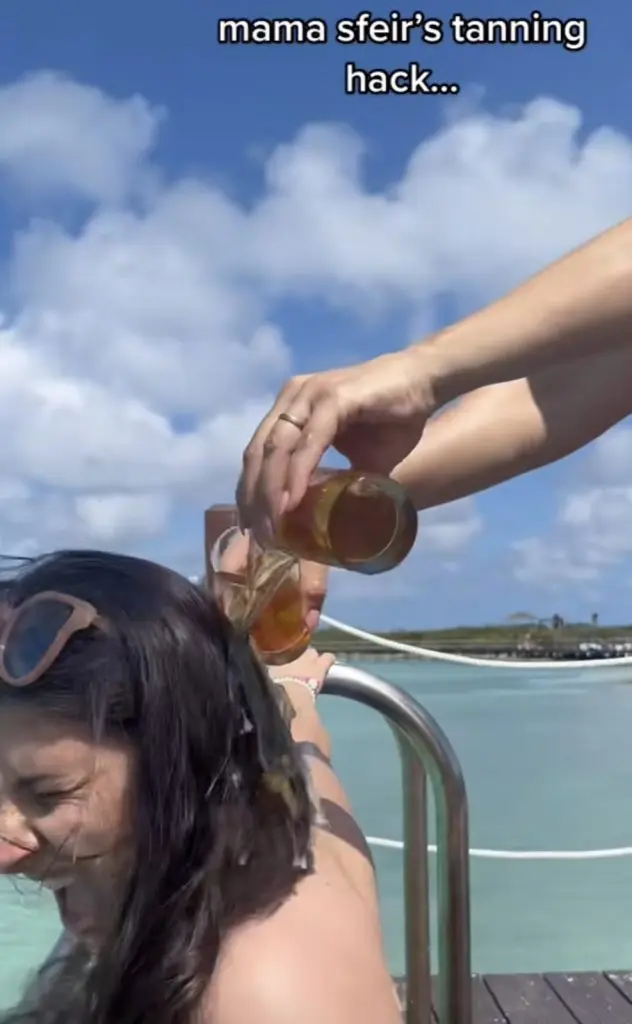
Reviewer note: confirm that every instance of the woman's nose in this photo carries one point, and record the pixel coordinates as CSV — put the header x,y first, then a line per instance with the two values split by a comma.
x,y
16,841
11,857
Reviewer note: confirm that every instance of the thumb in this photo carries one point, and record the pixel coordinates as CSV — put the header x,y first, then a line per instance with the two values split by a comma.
x,y
327,661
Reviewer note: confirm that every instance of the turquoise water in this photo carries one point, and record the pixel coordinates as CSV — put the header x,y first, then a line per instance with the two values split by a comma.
x,y
548,762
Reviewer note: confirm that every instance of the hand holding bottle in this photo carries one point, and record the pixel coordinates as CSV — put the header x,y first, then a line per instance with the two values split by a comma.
x,y
373,413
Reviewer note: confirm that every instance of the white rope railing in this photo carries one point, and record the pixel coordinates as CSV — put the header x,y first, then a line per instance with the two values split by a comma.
x,y
464,659
617,851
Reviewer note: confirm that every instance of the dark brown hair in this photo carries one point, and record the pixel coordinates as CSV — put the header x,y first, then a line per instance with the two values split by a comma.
x,y
216,843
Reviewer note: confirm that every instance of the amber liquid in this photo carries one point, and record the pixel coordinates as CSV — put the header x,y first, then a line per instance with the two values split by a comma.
x,y
279,632
351,520
264,597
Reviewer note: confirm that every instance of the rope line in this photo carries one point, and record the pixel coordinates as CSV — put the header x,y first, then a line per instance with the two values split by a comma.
x,y
621,851
463,659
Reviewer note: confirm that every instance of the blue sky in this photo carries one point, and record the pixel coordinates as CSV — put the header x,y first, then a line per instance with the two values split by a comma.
x,y
170,259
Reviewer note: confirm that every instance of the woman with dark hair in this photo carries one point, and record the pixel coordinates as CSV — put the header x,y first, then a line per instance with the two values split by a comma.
x,y
148,776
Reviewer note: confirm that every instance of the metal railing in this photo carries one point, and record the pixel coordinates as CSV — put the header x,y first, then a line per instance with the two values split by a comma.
x,y
426,753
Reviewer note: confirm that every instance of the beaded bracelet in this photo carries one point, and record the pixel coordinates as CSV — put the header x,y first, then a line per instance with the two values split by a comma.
x,y
310,684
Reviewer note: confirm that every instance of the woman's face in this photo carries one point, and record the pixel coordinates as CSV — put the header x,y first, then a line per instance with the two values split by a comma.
x,y
65,812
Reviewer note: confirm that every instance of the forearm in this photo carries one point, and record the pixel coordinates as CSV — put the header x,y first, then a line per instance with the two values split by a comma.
x,y
309,732
336,820
308,729
579,306
505,430
306,725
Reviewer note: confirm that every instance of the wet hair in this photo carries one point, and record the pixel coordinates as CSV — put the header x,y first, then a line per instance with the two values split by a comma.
x,y
215,843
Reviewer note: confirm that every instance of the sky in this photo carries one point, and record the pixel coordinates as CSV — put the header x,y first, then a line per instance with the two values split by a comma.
x,y
184,225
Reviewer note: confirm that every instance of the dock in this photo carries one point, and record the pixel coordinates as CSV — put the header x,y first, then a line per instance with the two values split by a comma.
x,y
581,998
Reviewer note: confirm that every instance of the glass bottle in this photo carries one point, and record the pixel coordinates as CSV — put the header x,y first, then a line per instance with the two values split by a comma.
x,y
351,520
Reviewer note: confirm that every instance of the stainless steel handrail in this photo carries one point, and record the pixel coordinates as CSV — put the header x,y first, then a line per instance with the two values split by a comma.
x,y
426,752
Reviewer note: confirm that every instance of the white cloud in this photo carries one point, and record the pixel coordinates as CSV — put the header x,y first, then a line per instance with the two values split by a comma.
x,y
447,530
591,535
138,350
480,205
107,516
55,134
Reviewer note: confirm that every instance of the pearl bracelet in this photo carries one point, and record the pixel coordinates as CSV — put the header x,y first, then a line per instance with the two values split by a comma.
x,y
310,684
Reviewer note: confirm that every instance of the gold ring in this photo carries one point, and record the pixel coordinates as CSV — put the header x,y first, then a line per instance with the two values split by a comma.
x,y
288,418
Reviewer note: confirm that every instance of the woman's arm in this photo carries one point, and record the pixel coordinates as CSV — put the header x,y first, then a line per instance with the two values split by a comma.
x,y
499,432
337,829
579,306
320,956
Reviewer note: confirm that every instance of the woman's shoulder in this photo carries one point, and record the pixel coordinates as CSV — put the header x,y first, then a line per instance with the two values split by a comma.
x,y
318,957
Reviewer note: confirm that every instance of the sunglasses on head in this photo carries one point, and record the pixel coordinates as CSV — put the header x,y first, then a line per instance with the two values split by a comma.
x,y
34,634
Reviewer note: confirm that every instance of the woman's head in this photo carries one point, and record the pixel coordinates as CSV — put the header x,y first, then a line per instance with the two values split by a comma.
x,y
136,769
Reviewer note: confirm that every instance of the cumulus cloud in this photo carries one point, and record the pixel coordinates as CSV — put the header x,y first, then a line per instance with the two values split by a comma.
x,y
479,206
449,529
55,134
591,536
143,339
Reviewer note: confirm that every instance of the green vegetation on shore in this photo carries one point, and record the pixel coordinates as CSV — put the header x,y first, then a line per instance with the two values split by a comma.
x,y
472,638
571,632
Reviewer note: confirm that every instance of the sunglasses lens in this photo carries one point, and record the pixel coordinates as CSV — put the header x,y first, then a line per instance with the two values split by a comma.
x,y
32,634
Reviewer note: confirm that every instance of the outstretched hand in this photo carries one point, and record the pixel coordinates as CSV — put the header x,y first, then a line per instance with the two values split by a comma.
x,y
373,413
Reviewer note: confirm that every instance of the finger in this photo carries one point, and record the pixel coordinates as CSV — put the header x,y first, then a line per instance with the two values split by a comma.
x,y
292,452
314,440
327,662
285,433
253,454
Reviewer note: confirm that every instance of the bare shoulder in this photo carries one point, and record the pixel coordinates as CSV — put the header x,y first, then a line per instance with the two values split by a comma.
x,y
315,959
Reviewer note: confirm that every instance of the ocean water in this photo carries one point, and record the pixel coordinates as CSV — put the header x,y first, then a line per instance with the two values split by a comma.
x,y
547,758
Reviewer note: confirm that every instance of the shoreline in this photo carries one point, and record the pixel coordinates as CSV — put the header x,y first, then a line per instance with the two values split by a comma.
x,y
365,651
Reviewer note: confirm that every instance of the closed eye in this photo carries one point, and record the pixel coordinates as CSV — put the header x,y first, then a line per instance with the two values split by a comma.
x,y
48,799
45,799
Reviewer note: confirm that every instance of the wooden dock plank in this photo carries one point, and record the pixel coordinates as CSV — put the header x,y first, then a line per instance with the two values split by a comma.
x,y
592,998
597,998
484,1007
528,999
621,981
